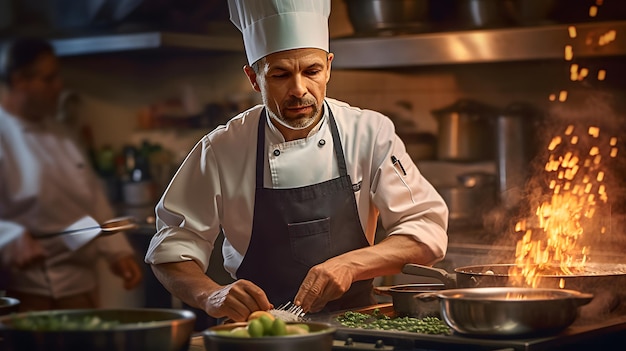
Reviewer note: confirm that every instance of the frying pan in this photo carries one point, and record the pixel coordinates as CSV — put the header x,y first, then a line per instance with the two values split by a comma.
x,y
604,280
86,229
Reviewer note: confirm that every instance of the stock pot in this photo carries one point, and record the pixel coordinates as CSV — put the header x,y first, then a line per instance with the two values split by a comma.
x,y
465,131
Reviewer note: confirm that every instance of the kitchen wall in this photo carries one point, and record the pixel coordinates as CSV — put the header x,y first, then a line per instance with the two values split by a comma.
x,y
115,87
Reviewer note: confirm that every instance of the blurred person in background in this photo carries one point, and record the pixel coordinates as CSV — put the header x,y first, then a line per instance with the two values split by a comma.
x,y
46,185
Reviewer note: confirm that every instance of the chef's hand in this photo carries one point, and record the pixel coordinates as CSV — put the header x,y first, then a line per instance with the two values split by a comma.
x,y
237,300
127,268
325,282
22,251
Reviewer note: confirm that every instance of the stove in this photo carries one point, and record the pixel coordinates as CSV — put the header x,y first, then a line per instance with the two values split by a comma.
x,y
606,333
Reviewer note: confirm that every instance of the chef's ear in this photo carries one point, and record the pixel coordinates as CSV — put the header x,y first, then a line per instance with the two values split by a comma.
x,y
329,60
252,77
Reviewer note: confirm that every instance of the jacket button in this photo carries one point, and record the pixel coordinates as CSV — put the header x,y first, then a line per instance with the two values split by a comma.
x,y
321,143
276,152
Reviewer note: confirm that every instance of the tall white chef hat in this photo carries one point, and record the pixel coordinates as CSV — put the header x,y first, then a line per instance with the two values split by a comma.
x,y
270,26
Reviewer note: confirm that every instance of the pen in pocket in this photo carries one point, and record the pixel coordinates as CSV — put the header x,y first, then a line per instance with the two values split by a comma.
x,y
397,162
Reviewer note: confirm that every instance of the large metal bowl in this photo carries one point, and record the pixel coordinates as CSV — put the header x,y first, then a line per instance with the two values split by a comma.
x,y
136,329
320,338
509,311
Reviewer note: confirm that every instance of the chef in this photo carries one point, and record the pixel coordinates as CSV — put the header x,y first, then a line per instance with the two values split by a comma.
x,y
46,185
296,184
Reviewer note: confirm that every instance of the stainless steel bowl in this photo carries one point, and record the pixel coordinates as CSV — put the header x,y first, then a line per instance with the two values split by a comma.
x,y
135,329
320,338
376,16
509,311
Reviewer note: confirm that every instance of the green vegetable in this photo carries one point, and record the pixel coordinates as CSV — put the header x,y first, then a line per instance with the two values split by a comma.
x,y
380,321
59,322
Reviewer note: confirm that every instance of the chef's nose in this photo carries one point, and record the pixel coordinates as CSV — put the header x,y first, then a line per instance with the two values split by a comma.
x,y
298,86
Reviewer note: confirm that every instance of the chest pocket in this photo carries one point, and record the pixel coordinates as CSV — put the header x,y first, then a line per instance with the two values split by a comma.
x,y
310,241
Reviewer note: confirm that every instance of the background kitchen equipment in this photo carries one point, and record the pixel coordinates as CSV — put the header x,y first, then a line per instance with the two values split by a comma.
x,y
469,199
134,329
510,312
465,131
375,17
516,147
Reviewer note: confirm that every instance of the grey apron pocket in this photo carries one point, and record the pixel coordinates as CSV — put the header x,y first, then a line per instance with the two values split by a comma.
x,y
310,241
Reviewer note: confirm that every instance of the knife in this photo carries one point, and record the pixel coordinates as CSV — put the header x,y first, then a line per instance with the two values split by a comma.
x,y
87,228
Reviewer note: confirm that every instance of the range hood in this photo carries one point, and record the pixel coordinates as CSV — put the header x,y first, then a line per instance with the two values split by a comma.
x,y
106,43
440,48
480,46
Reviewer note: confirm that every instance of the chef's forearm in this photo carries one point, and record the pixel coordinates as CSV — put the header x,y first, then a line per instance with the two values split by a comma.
x,y
186,281
387,257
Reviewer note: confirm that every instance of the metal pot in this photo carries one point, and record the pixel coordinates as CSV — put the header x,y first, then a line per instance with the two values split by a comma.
x,y
320,338
604,280
465,131
516,127
375,16
138,329
472,196
506,311
483,13
405,303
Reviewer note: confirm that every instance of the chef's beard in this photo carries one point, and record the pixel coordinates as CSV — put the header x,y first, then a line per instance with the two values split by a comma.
x,y
300,123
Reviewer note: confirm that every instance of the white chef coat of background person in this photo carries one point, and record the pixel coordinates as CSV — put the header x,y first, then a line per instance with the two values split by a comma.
x,y
221,182
47,185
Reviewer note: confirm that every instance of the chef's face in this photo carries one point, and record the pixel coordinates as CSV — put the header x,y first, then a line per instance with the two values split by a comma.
x,y
292,84
40,86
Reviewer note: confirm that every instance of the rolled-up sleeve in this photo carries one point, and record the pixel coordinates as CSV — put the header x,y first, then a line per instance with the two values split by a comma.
x,y
187,214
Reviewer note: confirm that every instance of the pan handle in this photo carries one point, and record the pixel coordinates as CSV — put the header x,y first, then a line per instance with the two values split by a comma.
x,y
448,280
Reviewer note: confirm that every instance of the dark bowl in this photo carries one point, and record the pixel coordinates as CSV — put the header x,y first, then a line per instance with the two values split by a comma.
x,y
319,339
8,305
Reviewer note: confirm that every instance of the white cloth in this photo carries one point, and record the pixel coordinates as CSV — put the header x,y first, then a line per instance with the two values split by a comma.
x,y
45,185
270,26
214,187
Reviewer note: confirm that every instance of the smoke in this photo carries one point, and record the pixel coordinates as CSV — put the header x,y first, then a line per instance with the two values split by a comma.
x,y
583,109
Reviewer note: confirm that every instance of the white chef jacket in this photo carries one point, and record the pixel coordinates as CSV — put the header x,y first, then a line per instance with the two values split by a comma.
x,y
46,184
215,186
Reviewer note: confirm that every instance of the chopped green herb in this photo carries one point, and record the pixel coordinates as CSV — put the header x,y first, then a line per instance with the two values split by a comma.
x,y
380,321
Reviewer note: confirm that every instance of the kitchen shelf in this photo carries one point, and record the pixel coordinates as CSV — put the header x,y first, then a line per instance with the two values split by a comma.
x,y
546,42
105,43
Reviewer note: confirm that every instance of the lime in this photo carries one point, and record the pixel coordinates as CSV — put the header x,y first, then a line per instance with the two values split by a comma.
x,y
279,328
255,328
267,324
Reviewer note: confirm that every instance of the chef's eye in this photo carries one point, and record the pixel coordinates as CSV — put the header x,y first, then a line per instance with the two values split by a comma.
x,y
313,72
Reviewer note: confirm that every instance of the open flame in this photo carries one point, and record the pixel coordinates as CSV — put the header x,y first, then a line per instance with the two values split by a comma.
x,y
575,188
575,172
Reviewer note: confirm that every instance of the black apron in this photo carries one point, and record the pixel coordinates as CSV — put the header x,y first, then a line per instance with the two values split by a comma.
x,y
295,229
